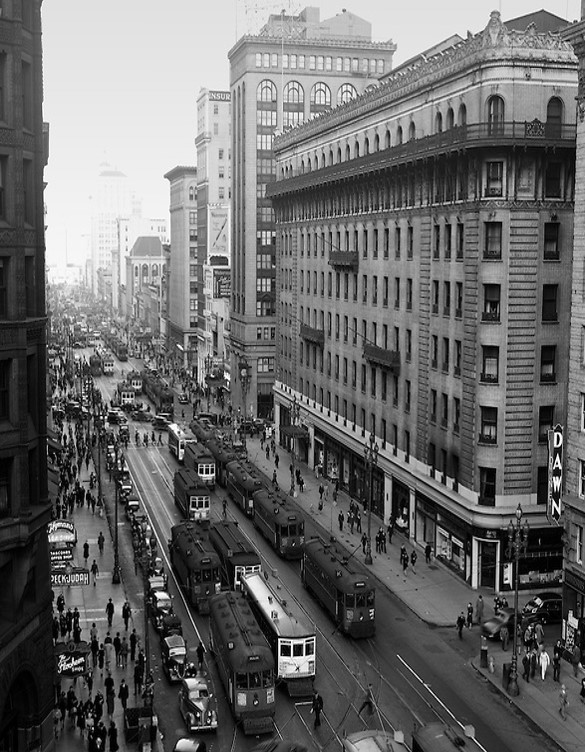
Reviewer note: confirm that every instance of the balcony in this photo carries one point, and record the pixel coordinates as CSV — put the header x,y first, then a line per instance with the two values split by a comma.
x,y
309,333
384,358
345,259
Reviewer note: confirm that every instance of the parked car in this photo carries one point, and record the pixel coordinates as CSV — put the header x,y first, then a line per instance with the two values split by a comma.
x,y
141,416
249,427
546,608
189,745
161,605
491,627
116,417
183,399
173,657
197,704
161,422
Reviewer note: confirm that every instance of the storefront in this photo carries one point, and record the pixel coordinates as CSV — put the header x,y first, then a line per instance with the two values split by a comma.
x,y
425,522
574,609
449,537
401,506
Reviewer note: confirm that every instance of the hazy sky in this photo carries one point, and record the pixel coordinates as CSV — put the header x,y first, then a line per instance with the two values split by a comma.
x,y
121,78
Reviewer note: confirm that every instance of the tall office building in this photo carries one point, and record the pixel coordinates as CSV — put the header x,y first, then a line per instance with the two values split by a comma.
x,y
213,144
424,262
297,68
111,199
183,281
27,666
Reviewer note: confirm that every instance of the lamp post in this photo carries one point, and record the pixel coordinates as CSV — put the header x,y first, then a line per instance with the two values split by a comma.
x,y
116,576
245,382
371,458
295,409
517,545
208,364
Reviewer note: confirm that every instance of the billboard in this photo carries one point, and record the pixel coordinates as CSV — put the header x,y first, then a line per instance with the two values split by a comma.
x,y
222,282
218,231
555,474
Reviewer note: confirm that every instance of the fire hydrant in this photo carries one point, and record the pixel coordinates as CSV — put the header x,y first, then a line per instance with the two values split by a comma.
x,y
491,665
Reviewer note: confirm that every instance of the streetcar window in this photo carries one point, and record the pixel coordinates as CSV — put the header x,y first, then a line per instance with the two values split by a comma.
x,y
198,576
241,681
310,647
350,600
370,596
298,650
267,680
285,649
360,600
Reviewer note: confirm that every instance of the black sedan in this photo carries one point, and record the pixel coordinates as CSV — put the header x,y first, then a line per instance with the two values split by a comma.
x,y
491,627
546,608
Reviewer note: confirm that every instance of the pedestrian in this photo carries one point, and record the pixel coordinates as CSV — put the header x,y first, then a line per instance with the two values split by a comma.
x,y
94,571
460,624
123,693
276,461
539,633
117,647
526,665
126,613
101,656
108,655
390,529
504,636
469,615
582,692
364,542
563,702
133,644
138,674
340,518
320,505
321,491
556,662
533,662
576,659
93,632
405,564
113,737
124,650
86,552
317,708
200,653
479,606
110,612
413,558
69,622
544,661
368,701
428,550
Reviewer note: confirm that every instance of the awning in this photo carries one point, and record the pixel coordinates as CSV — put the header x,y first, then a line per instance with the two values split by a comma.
x,y
295,432
53,443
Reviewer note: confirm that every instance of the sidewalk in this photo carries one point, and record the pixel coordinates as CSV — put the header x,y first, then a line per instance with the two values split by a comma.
x,y
437,596
91,601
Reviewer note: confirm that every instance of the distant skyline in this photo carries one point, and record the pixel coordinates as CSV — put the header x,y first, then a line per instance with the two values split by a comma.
x,y
121,79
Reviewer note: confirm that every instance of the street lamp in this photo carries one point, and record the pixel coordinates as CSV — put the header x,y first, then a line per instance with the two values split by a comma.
x,y
245,382
208,364
116,575
517,545
295,410
371,458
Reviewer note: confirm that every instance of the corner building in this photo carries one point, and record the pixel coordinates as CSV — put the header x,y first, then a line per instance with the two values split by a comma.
x,y
295,69
27,667
424,242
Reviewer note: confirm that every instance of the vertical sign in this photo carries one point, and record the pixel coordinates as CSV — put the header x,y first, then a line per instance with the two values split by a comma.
x,y
555,474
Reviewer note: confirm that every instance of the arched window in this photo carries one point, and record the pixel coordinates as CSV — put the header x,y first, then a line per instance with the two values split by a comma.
x,y
155,270
450,120
191,193
399,135
462,115
338,154
330,156
346,93
309,164
322,160
366,146
356,149
495,114
438,122
320,98
266,91
293,104
554,117
411,131
387,140
136,272
302,165
347,153
376,142
144,271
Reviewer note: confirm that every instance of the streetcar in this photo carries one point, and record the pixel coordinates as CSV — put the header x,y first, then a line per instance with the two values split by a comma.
x,y
244,661
191,496
199,458
135,381
292,639
202,429
108,364
439,737
95,365
222,454
242,480
237,555
280,522
196,564
178,441
341,585
157,392
374,740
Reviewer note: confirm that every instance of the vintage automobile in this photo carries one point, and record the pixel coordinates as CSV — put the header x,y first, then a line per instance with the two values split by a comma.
x,y
132,507
173,657
161,605
190,745
141,416
197,704
171,625
183,399
545,608
491,627
157,569
156,583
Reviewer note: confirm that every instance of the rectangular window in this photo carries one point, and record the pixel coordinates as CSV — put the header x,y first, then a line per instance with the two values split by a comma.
x,y
491,303
456,414
489,425
434,350
549,303
583,411
490,365
579,544
444,410
493,240
375,244
460,240
4,389
433,405
384,385
30,286
458,300
408,345
446,298
407,395
494,176
397,242
487,486
374,290
436,241
386,243
28,190
3,288
551,241
410,242
446,350
447,242
385,292
552,180
546,417
373,381
582,478
457,368
397,292
548,356
364,288
409,294
435,296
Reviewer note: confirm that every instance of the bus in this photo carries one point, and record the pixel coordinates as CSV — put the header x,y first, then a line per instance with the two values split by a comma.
x,y
196,564
341,585
191,496
244,662
241,482
178,440
292,639
222,454
237,555
280,522
199,458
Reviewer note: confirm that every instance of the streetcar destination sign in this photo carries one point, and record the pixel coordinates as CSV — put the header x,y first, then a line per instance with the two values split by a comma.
x,y
70,576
